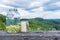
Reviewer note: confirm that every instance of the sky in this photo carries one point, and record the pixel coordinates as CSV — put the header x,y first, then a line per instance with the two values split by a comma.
x,y
47,9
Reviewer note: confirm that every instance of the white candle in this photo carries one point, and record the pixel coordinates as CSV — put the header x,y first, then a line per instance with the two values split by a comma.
x,y
23,26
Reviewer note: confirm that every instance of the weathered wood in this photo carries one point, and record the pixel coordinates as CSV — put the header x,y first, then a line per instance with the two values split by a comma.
x,y
30,36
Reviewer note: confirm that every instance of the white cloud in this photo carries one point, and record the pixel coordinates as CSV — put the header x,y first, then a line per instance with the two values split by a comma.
x,y
37,12
6,1
26,14
54,4
38,3
52,15
35,4
4,13
57,4
5,6
40,12
42,1
40,9
16,3
23,2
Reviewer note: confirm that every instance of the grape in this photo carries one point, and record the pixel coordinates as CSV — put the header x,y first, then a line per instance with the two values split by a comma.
x,y
13,28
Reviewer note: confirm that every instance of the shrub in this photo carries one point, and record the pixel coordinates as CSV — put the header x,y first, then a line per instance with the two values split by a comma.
x,y
2,26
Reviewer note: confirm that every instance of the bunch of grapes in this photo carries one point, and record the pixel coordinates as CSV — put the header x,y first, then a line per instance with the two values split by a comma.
x,y
13,28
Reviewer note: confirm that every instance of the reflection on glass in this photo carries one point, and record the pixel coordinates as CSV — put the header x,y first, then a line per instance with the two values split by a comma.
x,y
13,20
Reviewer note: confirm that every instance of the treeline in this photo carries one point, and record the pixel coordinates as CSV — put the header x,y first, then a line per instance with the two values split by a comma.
x,y
43,24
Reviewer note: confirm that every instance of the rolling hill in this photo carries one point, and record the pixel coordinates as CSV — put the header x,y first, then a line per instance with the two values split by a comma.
x,y
35,23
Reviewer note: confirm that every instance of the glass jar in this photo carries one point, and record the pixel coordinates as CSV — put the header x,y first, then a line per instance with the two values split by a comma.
x,y
13,21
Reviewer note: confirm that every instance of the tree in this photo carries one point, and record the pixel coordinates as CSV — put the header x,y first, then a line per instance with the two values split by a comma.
x,y
2,22
2,18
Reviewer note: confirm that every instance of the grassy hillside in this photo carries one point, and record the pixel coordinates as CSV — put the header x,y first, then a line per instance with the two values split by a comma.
x,y
35,23
43,24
